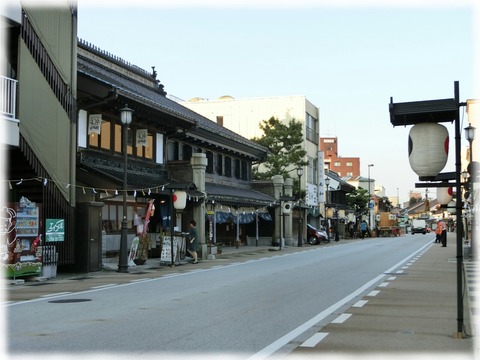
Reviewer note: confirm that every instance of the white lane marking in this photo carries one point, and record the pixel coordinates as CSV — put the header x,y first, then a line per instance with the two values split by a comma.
x,y
57,294
391,278
384,284
341,318
285,339
102,286
360,303
314,339
399,271
373,293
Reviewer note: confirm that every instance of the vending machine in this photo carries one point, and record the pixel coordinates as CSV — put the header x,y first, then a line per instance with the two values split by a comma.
x,y
21,239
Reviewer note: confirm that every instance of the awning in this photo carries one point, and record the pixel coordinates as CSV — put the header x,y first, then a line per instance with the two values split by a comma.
x,y
237,196
222,217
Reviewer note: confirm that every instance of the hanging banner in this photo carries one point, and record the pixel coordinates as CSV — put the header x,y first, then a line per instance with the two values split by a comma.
x,y
150,212
141,137
94,123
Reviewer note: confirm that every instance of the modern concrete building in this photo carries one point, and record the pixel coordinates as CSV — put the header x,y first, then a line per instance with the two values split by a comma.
x,y
343,166
243,116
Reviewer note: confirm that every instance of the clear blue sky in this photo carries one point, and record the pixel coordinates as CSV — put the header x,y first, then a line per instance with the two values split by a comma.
x,y
346,60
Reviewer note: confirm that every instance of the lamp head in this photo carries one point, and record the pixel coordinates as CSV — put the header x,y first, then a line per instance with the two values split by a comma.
x,y
299,170
126,115
470,132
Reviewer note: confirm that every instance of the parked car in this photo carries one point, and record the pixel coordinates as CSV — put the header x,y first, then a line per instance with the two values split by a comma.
x,y
315,236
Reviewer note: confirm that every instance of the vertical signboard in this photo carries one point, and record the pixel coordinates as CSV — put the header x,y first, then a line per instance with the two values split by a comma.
x,y
55,230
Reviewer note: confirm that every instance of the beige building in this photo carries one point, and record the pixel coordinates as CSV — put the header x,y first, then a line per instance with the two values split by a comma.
x,y
243,116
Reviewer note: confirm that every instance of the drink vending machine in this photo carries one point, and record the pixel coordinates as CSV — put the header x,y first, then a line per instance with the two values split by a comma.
x,y
21,239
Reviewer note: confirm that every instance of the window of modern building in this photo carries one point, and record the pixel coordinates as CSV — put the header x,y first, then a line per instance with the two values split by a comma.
x,y
311,128
349,163
220,120
337,163
312,173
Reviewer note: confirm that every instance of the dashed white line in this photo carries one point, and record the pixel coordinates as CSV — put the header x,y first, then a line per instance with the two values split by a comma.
x,y
341,318
314,340
373,293
360,303
384,284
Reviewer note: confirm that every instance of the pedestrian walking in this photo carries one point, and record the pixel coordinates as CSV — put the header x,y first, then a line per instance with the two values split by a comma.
x,y
438,232
351,230
193,241
363,228
443,236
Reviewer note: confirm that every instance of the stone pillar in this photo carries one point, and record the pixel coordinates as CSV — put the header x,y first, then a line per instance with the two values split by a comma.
x,y
199,164
288,217
277,181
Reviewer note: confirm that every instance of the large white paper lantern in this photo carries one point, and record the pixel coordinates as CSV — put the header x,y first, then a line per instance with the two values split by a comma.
x,y
444,195
179,200
428,148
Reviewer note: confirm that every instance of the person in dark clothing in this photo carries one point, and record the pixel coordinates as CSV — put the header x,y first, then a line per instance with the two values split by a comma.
x,y
363,228
193,241
443,236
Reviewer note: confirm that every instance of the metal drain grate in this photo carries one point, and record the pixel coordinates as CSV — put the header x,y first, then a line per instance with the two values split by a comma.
x,y
67,301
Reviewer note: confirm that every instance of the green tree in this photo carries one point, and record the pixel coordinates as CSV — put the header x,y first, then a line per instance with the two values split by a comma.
x,y
284,142
358,200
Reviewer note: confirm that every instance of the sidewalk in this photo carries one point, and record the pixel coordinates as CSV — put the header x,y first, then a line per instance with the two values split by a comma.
x,y
412,312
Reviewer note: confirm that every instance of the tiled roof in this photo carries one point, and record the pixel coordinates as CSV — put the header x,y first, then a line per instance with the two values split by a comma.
x,y
138,177
143,88
229,195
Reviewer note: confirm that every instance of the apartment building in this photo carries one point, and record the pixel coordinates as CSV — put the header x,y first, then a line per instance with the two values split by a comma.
x,y
343,166
243,116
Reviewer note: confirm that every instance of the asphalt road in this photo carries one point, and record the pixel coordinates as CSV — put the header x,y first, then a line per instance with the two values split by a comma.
x,y
251,308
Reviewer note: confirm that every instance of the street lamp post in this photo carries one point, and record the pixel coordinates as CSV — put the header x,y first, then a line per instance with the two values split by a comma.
x,y
470,136
436,111
299,173
125,119
369,196
327,184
